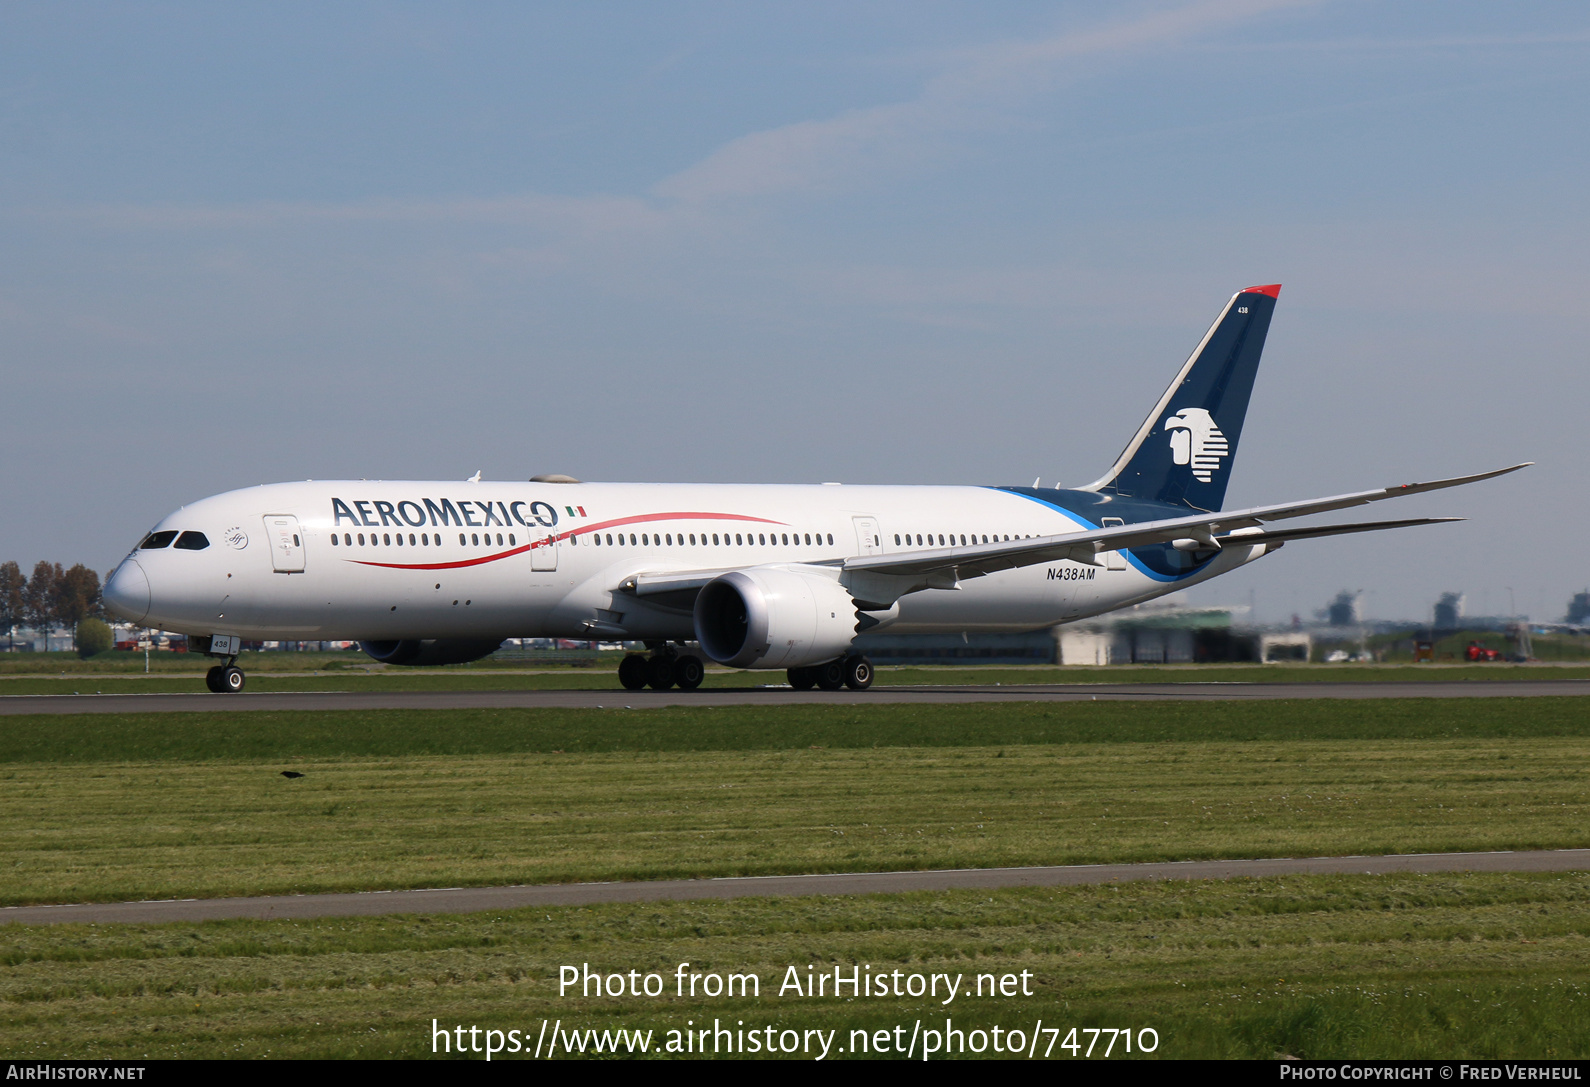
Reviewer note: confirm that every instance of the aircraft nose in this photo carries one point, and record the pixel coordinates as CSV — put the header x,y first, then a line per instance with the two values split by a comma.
x,y
127,592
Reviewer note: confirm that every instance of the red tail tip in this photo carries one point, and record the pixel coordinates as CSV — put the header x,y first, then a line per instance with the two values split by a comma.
x,y
1273,290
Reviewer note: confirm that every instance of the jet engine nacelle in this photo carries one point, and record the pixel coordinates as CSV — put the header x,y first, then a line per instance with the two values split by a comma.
x,y
773,617
431,650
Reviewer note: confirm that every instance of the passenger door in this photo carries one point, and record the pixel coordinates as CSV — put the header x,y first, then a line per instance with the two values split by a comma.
x,y
286,543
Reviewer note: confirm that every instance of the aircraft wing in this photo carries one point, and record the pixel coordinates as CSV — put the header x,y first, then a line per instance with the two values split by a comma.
x,y
946,567
1281,535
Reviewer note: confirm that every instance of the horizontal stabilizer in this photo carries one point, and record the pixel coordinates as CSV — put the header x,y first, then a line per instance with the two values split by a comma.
x,y
914,570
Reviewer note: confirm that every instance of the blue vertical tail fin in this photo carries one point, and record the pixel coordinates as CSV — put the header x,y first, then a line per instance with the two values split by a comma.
x,y
1183,452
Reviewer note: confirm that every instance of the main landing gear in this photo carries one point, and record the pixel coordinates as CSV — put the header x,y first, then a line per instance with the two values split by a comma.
x,y
667,667
224,678
663,669
854,671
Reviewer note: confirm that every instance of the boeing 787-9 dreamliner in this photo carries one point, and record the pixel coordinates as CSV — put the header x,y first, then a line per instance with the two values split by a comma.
x,y
756,576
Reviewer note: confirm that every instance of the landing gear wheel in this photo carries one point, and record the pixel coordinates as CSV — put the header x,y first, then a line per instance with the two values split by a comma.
x,y
830,676
858,673
688,673
660,673
802,679
633,672
231,679
212,680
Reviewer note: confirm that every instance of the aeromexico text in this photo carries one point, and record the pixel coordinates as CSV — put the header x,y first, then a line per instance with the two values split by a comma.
x,y
465,513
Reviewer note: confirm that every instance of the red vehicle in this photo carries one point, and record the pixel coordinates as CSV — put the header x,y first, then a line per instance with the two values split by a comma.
x,y
1477,652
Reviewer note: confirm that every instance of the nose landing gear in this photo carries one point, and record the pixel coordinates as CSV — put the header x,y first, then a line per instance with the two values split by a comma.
x,y
224,679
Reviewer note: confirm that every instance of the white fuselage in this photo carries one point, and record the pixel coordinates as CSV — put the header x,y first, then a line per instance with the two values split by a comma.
x,y
408,560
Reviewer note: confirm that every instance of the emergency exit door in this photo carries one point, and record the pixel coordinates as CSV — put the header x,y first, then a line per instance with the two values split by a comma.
x,y
286,542
1113,560
869,541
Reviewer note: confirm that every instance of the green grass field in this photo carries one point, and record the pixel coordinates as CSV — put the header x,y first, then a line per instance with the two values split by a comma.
x,y
1321,967
131,806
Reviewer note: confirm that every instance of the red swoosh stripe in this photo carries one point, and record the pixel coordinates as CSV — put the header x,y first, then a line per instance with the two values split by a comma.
x,y
690,516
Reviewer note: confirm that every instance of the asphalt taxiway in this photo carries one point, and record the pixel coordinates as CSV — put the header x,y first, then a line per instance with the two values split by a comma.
x,y
616,698
480,899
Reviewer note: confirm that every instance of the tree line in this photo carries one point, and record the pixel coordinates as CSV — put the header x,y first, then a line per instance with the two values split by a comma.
x,y
51,597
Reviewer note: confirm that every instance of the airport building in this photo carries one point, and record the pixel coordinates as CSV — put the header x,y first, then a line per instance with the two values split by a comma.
x,y
1156,633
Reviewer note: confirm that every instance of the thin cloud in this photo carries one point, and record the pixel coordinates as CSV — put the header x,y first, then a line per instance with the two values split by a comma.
x,y
968,96
1389,45
975,91
574,214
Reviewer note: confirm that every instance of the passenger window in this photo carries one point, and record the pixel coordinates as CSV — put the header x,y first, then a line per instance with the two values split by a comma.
x,y
386,538
632,539
334,540
512,542
739,542
830,539
461,539
156,540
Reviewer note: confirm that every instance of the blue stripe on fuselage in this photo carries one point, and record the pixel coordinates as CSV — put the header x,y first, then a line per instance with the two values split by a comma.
x,y
1162,563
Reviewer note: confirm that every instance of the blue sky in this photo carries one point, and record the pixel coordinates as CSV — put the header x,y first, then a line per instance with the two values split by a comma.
x,y
875,243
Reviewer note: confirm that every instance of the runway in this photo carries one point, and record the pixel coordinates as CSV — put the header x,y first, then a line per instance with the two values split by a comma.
x,y
203,702
480,899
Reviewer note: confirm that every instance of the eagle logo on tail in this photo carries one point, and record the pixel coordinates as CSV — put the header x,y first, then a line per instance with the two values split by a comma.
x,y
1195,440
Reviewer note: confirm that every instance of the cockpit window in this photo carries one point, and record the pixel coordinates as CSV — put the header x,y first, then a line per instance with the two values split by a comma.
x,y
193,541
156,540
